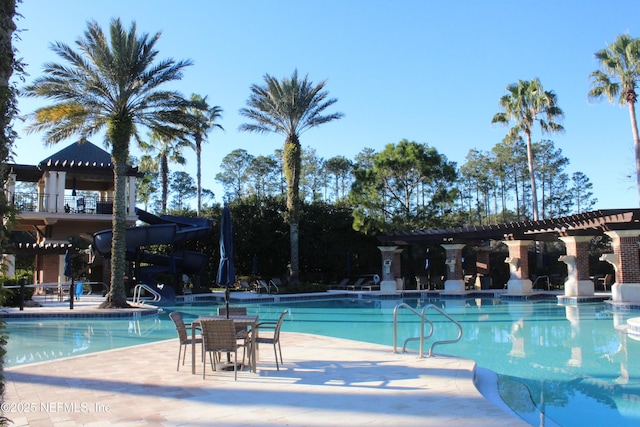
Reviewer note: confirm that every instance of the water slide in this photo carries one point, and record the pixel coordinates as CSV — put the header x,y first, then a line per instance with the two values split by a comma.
x,y
163,229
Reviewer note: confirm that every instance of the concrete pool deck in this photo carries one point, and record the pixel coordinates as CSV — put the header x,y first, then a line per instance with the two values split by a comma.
x,y
324,381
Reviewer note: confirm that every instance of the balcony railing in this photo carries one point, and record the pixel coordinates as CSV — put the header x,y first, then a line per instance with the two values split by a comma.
x,y
32,202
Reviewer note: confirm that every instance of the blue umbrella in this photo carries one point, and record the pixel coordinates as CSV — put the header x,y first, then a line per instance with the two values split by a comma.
x,y
226,270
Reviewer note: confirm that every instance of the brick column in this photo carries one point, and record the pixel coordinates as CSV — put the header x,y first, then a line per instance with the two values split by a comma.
x,y
455,275
626,261
483,281
518,260
577,260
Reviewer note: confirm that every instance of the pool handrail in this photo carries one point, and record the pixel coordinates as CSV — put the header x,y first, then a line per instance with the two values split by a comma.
x,y
423,319
137,293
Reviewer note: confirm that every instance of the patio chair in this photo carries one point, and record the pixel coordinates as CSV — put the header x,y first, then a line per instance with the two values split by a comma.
x,y
273,339
183,335
262,284
219,336
80,206
241,331
357,285
237,311
422,282
276,283
341,285
245,286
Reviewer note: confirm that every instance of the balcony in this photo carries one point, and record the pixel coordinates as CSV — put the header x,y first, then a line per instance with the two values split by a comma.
x,y
84,204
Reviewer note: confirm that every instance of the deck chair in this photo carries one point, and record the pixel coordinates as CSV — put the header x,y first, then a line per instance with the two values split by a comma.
x,y
276,283
219,336
262,284
370,285
341,285
608,280
80,206
273,339
245,286
183,336
357,285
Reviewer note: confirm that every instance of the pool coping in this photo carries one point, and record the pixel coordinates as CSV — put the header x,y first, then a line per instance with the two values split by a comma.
x,y
87,306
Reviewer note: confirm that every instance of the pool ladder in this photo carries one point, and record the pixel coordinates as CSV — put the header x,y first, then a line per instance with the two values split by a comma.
x,y
423,318
137,293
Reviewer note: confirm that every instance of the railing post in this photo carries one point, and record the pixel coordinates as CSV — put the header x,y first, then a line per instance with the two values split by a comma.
x,y
22,294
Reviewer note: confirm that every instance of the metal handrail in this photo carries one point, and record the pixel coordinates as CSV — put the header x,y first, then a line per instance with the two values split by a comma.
x,y
137,293
423,319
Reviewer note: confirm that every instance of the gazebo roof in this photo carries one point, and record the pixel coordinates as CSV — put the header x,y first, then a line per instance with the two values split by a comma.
x,y
588,224
81,157
79,154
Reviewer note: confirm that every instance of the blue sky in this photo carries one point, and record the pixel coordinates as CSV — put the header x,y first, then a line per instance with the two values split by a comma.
x,y
427,71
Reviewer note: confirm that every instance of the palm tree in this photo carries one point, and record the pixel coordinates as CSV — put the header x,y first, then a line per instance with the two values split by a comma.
x,y
289,107
620,63
164,149
204,119
113,85
523,104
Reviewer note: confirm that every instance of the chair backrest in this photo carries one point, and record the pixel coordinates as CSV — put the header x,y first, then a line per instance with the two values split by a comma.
x,y
276,333
276,281
218,335
359,282
237,311
180,326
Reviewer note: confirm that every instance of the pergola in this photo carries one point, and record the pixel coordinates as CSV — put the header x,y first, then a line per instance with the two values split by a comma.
x,y
576,231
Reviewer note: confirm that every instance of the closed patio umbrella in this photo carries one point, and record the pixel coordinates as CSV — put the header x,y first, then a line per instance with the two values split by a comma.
x,y
226,270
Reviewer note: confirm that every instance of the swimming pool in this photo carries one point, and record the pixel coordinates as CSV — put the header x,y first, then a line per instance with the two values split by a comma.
x,y
568,361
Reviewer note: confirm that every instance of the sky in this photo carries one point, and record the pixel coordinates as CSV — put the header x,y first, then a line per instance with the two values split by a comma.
x,y
427,71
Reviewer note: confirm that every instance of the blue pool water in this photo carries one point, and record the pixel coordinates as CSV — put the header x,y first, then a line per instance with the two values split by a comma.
x,y
569,362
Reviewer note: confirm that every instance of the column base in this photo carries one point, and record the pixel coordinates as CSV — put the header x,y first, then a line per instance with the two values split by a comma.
x,y
454,286
625,292
579,288
519,286
388,287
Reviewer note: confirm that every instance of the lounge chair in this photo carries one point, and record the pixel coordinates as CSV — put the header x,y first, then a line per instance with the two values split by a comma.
x,y
357,285
341,285
245,286
262,284
273,339
276,283
183,336
219,336
422,282
370,285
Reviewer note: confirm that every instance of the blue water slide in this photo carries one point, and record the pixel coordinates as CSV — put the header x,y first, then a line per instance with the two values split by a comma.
x,y
164,229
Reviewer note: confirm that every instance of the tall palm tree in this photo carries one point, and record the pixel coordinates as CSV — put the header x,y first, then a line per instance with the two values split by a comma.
x,y
526,103
164,149
113,85
204,120
620,63
289,107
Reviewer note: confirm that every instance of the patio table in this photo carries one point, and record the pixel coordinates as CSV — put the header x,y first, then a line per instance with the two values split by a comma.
x,y
239,321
